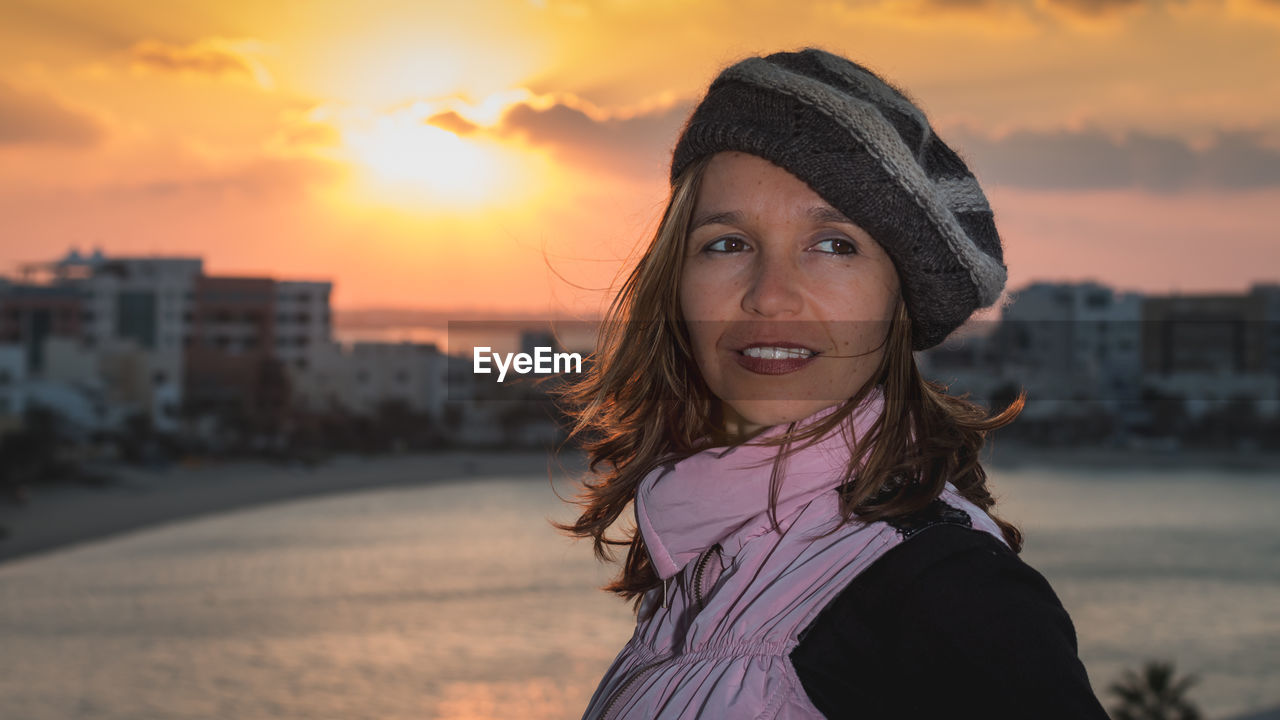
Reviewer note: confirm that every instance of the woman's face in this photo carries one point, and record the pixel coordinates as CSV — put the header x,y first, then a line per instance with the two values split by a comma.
x,y
787,302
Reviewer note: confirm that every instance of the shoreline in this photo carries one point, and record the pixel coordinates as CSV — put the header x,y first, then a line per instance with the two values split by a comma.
x,y
1005,454
65,515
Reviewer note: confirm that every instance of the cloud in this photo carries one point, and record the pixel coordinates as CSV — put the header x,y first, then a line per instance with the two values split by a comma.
x,y
1005,16
264,177
1039,160
642,141
962,3
453,122
213,57
72,26
1091,8
1267,11
1092,160
35,119
1095,8
303,133
966,5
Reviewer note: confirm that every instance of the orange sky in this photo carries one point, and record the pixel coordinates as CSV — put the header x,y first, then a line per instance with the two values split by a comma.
x,y
511,155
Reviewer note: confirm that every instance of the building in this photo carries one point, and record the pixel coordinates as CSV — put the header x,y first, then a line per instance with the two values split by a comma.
x,y
133,304
1206,333
32,314
231,369
1213,350
243,338
364,376
303,323
1072,342
13,375
1268,295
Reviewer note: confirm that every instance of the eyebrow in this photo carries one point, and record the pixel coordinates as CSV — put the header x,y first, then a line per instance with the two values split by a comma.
x,y
732,217
824,213
819,213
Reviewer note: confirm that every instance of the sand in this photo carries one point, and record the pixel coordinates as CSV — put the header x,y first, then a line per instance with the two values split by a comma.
x,y
59,516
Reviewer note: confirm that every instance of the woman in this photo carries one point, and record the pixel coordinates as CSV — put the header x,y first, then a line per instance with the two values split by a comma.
x,y
812,531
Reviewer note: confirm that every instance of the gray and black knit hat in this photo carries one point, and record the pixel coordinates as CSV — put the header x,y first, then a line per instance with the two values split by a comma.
x,y
870,152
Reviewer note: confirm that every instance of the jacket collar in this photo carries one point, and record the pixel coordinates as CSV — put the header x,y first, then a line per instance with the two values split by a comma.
x,y
721,495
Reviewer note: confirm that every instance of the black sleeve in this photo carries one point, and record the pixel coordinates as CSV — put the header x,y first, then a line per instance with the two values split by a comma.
x,y
949,623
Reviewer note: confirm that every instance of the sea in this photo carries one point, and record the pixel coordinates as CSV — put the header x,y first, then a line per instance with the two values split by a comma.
x,y
459,601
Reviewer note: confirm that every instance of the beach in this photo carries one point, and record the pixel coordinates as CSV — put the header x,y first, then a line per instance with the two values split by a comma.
x,y
56,516
61,515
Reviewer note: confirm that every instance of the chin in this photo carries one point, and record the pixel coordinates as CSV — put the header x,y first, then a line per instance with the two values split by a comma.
x,y
754,415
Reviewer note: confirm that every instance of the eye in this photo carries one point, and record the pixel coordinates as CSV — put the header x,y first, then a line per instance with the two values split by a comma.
x,y
730,244
836,246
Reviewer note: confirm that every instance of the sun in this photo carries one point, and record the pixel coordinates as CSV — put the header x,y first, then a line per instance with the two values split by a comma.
x,y
409,159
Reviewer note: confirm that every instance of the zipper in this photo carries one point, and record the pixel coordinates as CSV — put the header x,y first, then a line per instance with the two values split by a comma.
x,y
698,572
635,677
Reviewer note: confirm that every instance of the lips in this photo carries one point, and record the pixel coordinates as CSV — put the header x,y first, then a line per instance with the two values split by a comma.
x,y
774,357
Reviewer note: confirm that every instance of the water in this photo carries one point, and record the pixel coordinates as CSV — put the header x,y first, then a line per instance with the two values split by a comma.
x,y
459,602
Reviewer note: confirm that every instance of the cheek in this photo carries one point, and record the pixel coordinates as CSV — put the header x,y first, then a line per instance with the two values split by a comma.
x,y
683,296
692,307
861,316
693,294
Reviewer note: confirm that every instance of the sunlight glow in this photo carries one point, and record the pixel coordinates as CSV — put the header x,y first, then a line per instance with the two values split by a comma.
x,y
403,151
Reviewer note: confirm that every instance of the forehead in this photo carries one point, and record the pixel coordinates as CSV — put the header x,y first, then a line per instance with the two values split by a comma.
x,y
739,187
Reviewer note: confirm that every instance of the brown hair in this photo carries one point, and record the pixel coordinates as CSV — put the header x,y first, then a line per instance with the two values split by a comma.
x,y
643,402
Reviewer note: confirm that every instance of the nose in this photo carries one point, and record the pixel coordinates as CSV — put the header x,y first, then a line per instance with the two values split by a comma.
x,y
774,289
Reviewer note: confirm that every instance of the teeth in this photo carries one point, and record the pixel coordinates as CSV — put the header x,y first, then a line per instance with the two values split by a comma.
x,y
777,353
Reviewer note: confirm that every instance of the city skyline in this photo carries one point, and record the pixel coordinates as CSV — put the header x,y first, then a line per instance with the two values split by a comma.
x,y
512,155
418,314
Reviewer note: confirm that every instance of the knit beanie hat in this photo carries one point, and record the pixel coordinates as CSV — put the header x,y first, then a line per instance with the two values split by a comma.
x,y
863,147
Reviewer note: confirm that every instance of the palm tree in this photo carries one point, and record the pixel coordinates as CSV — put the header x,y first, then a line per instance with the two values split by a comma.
x,y
1153,694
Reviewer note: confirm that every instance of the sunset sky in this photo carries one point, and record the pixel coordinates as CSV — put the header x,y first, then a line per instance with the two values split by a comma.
x,y
511,155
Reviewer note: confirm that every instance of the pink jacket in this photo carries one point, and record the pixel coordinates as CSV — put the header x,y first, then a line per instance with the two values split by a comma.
x,y
737,592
